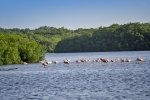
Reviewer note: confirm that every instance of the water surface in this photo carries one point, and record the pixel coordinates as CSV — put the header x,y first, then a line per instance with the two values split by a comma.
x,y
117,81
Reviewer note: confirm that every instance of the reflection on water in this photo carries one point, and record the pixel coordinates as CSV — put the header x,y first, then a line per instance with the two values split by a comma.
x,y
117,81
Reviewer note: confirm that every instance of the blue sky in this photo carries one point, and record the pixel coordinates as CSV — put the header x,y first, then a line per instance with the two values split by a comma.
x,y
72,14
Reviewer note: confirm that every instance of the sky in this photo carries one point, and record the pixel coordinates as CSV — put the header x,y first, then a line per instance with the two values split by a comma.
x,y
72,14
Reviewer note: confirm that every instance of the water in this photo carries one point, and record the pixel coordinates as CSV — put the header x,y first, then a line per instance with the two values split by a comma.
x,y
117,81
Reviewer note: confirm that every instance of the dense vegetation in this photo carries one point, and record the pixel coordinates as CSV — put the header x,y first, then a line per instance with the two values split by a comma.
x,y
29,45
14,49
127,37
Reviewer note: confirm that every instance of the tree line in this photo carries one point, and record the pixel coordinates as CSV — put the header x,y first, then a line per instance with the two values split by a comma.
x,y
30,45
127,37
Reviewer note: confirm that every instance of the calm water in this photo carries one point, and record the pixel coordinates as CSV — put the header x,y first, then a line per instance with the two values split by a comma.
x,y
117,81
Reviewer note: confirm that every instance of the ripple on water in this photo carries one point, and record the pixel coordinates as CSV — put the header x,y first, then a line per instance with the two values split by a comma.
x,y
110,82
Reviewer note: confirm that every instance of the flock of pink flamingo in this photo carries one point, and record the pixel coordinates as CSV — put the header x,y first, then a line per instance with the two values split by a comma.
x,y
104,61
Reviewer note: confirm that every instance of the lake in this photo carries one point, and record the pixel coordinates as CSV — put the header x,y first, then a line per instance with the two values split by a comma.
x,y
83,81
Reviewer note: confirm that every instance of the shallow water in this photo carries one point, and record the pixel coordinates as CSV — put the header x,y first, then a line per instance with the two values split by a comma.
x,y
117,81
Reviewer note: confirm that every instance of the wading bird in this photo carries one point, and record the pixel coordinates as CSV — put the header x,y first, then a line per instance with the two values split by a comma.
x,y
66,61
104,60
44,64
117,59
139,60
24,63
55,62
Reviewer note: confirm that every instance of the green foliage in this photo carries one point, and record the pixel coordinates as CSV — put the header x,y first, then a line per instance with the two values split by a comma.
x,y
127,37
14,49
131,36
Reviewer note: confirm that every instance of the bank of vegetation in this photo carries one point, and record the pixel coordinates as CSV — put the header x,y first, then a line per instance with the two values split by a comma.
x,y
18,45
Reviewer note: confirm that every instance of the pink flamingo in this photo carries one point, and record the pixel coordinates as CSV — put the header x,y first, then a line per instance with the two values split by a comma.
x,y
24,63
139,60
66,61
